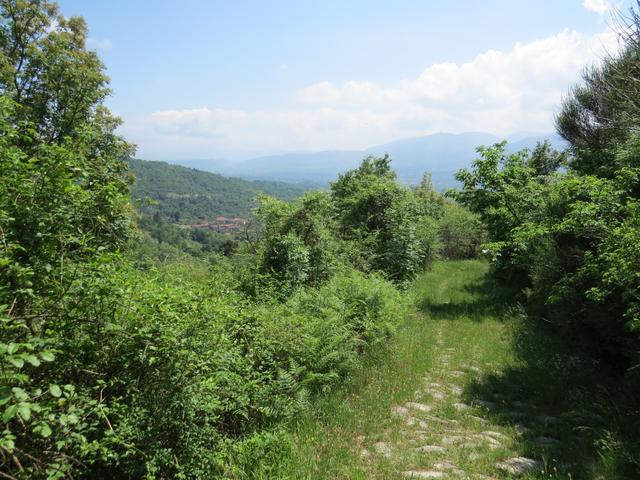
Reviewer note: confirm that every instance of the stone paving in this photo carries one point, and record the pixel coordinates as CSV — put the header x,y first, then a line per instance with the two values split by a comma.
x,y
440,427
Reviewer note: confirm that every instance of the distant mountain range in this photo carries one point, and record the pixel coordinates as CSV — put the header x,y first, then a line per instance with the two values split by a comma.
x,y
442,154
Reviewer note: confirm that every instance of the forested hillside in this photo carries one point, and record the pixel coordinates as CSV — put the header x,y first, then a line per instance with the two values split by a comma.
x,y
193,195
133,350
183,210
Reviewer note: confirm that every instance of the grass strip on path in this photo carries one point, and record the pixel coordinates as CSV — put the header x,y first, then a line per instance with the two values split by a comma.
x,y
457,395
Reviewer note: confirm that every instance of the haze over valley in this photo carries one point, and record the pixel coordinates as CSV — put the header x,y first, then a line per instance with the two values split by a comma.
x,y
440,154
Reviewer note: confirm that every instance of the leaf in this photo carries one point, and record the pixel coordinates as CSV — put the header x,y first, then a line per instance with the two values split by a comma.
x,y
20,394
7,443
9,413
45,430
33,360
55,391
47,356
25,411
17,362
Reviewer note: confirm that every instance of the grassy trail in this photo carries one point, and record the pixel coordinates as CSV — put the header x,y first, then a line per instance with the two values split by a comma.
x,y
452,398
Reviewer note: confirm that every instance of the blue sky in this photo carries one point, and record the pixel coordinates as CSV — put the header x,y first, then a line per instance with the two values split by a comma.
x,y
207,79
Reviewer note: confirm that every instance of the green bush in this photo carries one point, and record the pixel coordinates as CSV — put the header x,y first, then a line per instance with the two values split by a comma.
x,y
407,241
298,247
460,233
224,370
169,373
387,227
569,237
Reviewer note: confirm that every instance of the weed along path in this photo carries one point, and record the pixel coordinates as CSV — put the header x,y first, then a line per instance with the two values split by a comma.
x,y
450,399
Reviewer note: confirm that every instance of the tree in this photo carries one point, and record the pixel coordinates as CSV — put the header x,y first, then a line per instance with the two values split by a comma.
x,y
431,202
64,213
66,182
570,235
47,70
362,196
389,226
601,113
503,189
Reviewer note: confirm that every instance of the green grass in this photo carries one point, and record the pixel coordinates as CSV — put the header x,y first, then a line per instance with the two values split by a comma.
x,y
465,343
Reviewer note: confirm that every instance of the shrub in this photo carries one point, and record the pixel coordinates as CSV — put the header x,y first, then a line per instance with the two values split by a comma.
x,y
407,241
298,247
389,227
460,233
170,373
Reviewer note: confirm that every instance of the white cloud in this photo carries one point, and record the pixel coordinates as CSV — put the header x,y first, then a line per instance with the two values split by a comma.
x,y
500,92
598,6
99,44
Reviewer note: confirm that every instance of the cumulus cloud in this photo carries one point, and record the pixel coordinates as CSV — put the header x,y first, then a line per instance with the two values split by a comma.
x,y
598,6
500,92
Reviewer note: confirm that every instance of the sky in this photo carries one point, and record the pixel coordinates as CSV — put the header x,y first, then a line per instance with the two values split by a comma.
x,y
204,79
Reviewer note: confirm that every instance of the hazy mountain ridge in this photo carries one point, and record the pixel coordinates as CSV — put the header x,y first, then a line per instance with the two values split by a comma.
x,y
442,154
